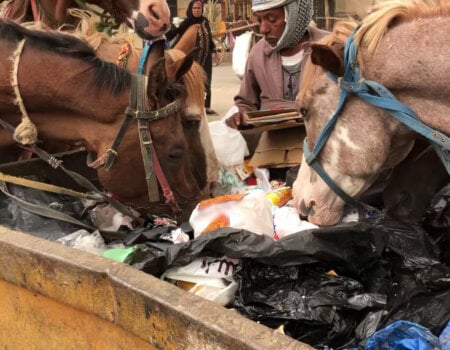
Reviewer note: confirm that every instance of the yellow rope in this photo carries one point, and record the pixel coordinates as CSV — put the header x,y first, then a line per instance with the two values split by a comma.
x,y
26,132
42,186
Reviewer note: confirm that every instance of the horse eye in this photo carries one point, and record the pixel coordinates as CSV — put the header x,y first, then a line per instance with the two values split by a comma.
x,y
303,112
191,124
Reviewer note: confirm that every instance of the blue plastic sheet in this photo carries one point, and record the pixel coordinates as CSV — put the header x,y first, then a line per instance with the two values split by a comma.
x,y
444,338
403,335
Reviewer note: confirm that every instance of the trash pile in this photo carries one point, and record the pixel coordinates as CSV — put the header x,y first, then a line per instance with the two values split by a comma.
x,y
367,283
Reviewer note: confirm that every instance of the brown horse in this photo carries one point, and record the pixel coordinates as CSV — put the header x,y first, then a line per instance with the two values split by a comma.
x,y
54,13
151,18
120,49
70,94
401,46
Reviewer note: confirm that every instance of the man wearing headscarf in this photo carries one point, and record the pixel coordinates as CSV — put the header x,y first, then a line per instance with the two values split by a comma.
x,y
274,67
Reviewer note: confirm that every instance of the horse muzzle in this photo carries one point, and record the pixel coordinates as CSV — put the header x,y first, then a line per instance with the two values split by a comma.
x,y
149,29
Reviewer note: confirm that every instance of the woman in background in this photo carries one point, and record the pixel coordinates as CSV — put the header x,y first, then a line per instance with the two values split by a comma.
x,y
204,44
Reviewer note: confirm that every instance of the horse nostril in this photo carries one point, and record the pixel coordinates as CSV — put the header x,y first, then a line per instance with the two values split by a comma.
x,y
153,13
306,210
303,217
176,155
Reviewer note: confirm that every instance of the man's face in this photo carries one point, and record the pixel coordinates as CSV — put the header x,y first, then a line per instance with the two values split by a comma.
x,y
271,24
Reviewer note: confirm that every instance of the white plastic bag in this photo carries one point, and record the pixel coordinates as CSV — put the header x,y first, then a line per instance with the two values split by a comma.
x,y
253,212
210,278
241,49
287,221
83,240
229,144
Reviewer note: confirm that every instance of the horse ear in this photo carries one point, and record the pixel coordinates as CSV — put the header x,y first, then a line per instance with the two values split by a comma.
x,y
157,82
176,69
331,58
185,65
187,41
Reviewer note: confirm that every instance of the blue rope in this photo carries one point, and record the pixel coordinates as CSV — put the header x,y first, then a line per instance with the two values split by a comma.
x,y
147,45
144,55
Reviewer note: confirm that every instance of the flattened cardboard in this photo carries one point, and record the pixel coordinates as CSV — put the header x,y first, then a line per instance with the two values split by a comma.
x,y
272,119
279,148
251,129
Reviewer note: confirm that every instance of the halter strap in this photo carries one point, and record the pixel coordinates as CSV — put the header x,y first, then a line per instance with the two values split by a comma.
x,y
130,113
379,96
153,170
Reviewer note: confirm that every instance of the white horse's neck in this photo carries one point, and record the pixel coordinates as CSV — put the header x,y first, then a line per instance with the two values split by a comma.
x,y
414,65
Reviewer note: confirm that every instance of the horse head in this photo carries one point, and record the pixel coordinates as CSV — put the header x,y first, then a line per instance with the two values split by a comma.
x,y
364,140
121,10
152,19
168,132
343,157
180,70
54,13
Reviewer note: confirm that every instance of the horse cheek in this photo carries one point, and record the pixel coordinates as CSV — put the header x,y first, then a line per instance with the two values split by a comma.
x,y
313,199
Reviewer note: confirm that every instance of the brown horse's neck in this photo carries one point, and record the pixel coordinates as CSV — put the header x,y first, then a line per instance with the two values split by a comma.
x,y
63,89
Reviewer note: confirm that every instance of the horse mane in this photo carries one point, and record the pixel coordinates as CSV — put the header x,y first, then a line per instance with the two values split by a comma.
x,y
107,75
382,18
193,80
372,29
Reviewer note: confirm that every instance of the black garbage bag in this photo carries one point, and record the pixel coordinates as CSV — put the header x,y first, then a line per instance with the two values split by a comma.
x,y
404,280
15,217
314,307
383,271
436,221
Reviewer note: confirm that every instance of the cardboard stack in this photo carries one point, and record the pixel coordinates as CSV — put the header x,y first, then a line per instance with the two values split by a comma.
x,y
281,142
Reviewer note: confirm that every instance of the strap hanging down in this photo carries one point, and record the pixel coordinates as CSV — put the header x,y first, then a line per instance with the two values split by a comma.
x,y
137,103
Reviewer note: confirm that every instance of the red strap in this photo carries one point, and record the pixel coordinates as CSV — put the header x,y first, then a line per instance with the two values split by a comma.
x,y
35,10
168,194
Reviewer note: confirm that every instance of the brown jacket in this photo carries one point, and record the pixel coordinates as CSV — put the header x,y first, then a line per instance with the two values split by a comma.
x,y
262,84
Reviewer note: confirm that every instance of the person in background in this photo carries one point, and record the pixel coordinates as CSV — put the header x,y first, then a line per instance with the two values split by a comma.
x,y
274,67
205,44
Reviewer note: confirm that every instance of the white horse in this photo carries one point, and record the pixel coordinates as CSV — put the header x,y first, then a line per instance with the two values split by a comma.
x,y
402,46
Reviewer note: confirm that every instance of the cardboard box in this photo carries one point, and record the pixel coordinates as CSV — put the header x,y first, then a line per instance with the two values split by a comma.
x,y
281,148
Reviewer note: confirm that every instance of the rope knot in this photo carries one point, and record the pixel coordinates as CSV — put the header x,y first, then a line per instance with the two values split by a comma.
x,y
26,132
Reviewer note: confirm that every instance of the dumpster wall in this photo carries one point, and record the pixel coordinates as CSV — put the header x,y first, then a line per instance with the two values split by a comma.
x,y
56,296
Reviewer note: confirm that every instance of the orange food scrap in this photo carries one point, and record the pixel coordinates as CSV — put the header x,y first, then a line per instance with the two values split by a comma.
x,y
221,220
221,199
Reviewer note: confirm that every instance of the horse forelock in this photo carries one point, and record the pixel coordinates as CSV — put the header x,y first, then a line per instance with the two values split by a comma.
x,y
193,80
107,75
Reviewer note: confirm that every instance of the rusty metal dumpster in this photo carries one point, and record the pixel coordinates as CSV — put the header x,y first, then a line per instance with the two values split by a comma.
x,y
58,297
